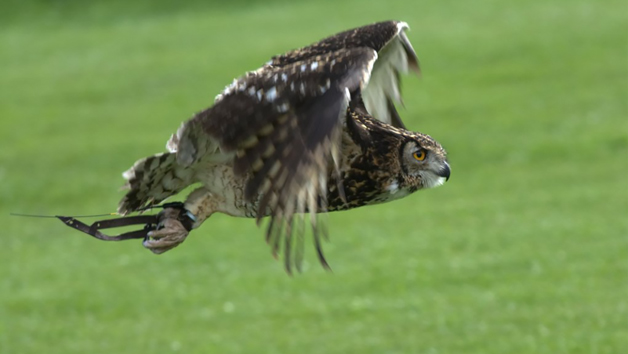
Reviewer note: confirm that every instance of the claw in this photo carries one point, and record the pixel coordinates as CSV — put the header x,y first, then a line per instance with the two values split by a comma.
x,y
169,234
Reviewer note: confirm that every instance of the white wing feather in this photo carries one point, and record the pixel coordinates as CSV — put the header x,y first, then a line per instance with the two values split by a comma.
x,y
384,81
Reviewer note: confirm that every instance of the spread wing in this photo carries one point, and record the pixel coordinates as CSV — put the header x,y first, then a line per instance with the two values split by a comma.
x,y
283,122
395,56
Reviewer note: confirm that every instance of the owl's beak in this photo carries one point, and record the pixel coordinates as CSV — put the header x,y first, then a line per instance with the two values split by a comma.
x,y
445,172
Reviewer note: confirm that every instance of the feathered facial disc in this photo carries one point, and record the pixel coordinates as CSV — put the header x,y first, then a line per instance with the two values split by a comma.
x,y
424,162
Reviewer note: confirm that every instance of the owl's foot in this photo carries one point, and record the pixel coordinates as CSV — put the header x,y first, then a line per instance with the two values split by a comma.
x,y
173,228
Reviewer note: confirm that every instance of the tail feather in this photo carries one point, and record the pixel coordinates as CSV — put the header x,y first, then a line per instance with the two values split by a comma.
x,y
153,179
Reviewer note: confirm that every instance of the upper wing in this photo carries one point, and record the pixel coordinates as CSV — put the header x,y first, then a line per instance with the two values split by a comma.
x,y
395,55
283,123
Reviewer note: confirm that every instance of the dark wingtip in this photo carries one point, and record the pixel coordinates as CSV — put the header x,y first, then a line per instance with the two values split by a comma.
x,y
413,64
413,60
287,265
326,265
319,253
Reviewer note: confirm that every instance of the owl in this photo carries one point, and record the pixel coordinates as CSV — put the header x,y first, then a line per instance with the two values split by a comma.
x,y
313,130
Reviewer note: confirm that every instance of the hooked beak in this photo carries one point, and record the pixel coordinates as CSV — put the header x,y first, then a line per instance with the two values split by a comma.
x,y
445,172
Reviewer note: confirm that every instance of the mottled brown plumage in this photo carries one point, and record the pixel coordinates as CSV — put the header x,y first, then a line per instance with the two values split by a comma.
x,y
313,130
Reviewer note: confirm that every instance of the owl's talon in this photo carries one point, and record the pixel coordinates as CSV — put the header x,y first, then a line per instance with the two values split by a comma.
x,y
171,231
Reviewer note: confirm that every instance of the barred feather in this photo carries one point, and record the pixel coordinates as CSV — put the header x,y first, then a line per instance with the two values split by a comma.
x,y
153,179
285,125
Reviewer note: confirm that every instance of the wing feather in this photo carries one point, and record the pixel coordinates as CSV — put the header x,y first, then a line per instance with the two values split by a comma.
x,y
395,54
283,125
375,36
384,89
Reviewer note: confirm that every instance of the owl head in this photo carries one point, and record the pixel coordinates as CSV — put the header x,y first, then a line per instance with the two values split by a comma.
x,y
423,162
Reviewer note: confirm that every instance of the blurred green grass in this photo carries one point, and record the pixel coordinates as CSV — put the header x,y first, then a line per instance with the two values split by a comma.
x,y
524,250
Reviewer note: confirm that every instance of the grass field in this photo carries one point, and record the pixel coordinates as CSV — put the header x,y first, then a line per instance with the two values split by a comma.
x,y
524,250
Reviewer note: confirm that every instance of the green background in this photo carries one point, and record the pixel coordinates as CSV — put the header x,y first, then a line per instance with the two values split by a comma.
x,y
524,250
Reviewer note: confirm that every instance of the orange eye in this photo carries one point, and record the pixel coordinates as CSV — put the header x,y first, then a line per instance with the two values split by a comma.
x,y
419,155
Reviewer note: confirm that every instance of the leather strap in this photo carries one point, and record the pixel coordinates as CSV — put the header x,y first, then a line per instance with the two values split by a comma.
x,y
150,223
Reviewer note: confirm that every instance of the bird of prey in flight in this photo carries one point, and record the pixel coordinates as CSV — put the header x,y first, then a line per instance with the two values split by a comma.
x,y
311,131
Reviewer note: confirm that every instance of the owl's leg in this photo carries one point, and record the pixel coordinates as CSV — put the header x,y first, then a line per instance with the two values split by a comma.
x,y
171,232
